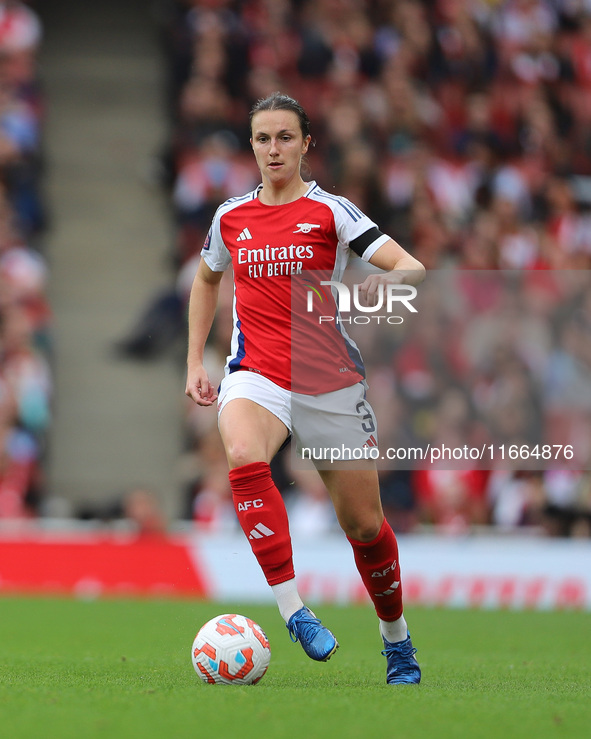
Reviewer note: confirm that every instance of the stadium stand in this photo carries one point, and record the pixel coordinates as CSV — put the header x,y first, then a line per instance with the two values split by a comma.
x,y
461,127
25,338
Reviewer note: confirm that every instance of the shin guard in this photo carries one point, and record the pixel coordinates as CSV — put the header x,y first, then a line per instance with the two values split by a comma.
x,y
263,518
377,563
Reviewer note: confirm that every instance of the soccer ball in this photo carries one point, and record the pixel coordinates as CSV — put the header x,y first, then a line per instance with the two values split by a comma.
x,y
231,649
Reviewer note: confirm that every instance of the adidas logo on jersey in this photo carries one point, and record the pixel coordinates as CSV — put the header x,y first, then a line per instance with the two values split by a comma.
x,y
260,531
244,235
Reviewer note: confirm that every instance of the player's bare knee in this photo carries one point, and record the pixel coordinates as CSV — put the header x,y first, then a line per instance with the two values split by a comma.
x,y
240,453
362,530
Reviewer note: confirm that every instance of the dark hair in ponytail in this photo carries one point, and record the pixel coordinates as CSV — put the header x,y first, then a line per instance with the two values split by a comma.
x,y
280,101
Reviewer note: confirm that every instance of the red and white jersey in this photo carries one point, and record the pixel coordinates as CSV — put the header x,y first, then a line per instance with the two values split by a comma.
x,y
274,332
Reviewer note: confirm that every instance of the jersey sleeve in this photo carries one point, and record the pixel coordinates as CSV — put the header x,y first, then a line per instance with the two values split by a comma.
x,y
357,231
214,252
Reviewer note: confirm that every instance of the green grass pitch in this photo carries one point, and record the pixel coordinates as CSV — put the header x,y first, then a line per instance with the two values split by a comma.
x,y
121,668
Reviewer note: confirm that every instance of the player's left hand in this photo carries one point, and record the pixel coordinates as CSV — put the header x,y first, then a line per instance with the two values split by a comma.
x,y
369,290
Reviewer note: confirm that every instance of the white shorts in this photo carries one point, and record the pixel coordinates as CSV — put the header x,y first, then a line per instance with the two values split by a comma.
x,y
342,419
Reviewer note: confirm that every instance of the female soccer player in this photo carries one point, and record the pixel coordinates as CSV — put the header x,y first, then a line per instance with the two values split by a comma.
x,y
288,226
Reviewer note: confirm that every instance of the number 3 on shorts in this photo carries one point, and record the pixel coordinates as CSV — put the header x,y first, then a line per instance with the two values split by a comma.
x,y
367,422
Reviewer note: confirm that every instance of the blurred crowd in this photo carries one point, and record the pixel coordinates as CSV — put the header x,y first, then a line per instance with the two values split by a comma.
x,y
25,369
462,128
496,365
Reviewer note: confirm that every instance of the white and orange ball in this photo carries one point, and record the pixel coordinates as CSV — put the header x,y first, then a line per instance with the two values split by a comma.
x,y
232,650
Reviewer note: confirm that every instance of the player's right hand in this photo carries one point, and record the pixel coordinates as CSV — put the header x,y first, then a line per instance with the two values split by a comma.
x,y
199,388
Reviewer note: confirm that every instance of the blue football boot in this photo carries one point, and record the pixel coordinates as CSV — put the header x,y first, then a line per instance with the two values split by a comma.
x,y
316,640
402,667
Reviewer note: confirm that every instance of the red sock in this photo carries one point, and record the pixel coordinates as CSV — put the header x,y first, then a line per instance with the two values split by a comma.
x,y
377,562
263,518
